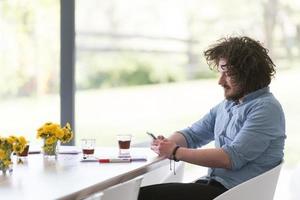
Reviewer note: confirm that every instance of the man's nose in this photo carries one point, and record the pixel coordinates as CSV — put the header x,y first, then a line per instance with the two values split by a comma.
x,y
221,79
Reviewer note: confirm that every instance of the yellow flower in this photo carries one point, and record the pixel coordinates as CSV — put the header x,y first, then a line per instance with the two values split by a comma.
x,y
68,135
50,140
22,140
9,145
52,132
53,127
17,148
47,129
40,132
2,154
59,133
11,139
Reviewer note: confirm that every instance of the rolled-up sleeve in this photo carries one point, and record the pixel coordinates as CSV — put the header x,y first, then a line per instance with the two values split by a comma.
x,y
264,123
200,132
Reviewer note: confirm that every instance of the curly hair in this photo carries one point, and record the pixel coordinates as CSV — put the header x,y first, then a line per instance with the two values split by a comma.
x,y
248,62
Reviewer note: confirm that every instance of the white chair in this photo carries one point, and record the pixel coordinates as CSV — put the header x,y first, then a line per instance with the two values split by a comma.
x,y
126,191
261,187
164,175
97,196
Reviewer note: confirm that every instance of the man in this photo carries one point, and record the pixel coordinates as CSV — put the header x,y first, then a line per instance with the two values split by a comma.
x,y
248,127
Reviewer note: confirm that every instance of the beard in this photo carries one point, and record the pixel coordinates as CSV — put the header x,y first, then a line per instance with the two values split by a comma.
x,y
233,94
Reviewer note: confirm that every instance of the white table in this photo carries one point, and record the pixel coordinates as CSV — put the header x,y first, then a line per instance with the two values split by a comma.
x,y
68,178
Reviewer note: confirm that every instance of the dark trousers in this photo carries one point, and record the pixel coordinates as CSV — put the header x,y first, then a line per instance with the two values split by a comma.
x,y
200,190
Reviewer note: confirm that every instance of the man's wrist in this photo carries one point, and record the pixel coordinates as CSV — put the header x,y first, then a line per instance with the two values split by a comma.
x,y
174,153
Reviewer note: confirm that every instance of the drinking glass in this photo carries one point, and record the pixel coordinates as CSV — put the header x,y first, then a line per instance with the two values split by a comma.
x,y
124,144
88,147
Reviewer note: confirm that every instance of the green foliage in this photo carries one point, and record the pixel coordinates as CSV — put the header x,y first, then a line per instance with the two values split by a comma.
x,y
124,70
137,76
204,74
29,59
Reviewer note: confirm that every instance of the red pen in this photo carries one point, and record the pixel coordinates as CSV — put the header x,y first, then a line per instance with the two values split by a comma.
x,y
115,160
112,160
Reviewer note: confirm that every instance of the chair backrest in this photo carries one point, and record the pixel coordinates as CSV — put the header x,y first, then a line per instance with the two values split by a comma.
x,y
164,175
99,195
96,196
261,187
126,191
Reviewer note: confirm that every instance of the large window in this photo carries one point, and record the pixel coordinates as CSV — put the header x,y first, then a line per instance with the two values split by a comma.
x,y
140,65
29,65
136,59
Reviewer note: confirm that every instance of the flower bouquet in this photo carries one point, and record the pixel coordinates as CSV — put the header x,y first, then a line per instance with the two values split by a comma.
x,y
51,133
8,145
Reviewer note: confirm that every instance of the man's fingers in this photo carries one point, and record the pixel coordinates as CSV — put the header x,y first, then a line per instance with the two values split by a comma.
x,y
155,149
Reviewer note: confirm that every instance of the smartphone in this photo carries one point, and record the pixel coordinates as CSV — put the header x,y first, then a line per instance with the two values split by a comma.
x,y
151,135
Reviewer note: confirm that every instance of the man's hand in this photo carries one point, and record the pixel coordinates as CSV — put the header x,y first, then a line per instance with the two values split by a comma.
x,y
214,157
163,147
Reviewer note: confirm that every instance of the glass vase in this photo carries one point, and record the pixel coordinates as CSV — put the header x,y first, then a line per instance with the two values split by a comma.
x,y
50,150
6,170
5,163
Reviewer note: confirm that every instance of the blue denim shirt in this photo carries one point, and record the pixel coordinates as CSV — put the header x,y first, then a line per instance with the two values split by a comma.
x,y
251,132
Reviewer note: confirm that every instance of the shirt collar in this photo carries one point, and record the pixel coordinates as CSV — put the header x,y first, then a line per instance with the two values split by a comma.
x,y
253,95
